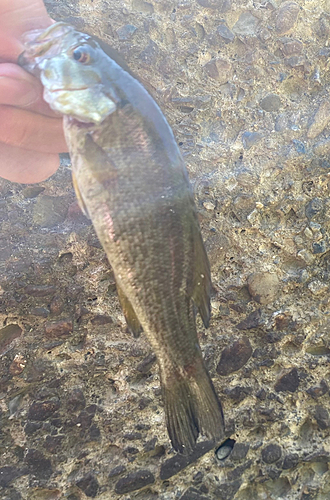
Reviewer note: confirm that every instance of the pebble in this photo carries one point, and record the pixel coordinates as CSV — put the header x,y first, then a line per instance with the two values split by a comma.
x,y
292,46
175,464
32,191
320,120
56,305
286,17
249,139
240,451
43,312
89,485
8,335
314,207
193,494
322,417
271,453
116,471
318,391
271,102
263,287
101,319
238,393
38,464
76,400
288,381
149,54
317,287
49,211
319,247
40,290
17,365
290,461
225,33
147,363
225,449
253,320
42,410
234,357
306,256
134,481
9,474
246,25
60,328
227,491
53,443
220,5
126,32
218,69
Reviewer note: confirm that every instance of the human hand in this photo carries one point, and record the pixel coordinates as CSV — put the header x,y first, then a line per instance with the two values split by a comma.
x,y
31,134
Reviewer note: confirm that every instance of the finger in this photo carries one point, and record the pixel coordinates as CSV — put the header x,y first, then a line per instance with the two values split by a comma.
x,y
19,88
31,131
16,18
26,167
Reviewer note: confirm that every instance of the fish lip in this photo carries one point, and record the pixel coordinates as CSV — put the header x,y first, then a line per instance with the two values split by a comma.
x,y
67,90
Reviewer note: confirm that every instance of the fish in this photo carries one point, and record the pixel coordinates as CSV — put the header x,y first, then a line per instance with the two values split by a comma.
x,y
131,181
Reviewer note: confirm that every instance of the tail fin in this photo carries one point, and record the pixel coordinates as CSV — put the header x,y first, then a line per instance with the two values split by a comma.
x,y
191,407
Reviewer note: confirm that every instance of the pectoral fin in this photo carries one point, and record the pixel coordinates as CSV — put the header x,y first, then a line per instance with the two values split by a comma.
x,y
129,313
81,203
202,279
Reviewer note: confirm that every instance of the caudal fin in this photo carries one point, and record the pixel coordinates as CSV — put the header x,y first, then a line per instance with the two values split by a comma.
x,y
191,407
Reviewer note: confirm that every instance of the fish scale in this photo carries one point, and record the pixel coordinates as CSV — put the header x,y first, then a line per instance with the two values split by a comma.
x,y
131,180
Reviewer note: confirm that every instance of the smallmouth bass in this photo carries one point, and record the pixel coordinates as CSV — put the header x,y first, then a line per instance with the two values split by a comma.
x,y
130,179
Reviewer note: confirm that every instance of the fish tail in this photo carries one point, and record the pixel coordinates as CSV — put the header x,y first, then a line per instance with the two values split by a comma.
x,y
191,407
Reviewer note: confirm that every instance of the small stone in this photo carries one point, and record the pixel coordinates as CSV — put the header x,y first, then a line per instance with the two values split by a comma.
x,y
218,69
149,54
271,453
38,464
175,464
56,305
292,46
225,449
9,474
246,25
147,363
286,17
306,256
320,120
32,191
253,320
40,290
43,312
290,461
17,365
142,6
319,247
322,417
53,443
288,381
227,491
264,287
225,33
126,32
192,494
299,146
220,5
249,139
116,471
317,287
209,205
134,481
318,391
76,400
89,485
42,410
101,319
238,393
234,356
271,102
60,328
240,451
49,211
8,335
314,207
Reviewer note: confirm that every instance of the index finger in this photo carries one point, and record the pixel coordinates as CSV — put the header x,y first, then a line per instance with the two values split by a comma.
x,y
16,18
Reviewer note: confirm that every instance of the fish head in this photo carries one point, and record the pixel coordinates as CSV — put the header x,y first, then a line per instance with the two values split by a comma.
x,y
71,67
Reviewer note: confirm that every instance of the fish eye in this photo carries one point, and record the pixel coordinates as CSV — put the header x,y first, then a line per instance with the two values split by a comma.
x,y
81,55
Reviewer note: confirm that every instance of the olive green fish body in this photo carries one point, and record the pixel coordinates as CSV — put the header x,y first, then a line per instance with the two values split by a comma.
x,y
131,180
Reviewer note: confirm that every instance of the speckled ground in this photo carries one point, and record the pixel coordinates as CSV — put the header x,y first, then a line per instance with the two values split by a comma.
x,y
245,86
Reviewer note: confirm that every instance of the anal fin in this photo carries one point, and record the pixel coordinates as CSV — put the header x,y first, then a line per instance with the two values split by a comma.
x,y
129,313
